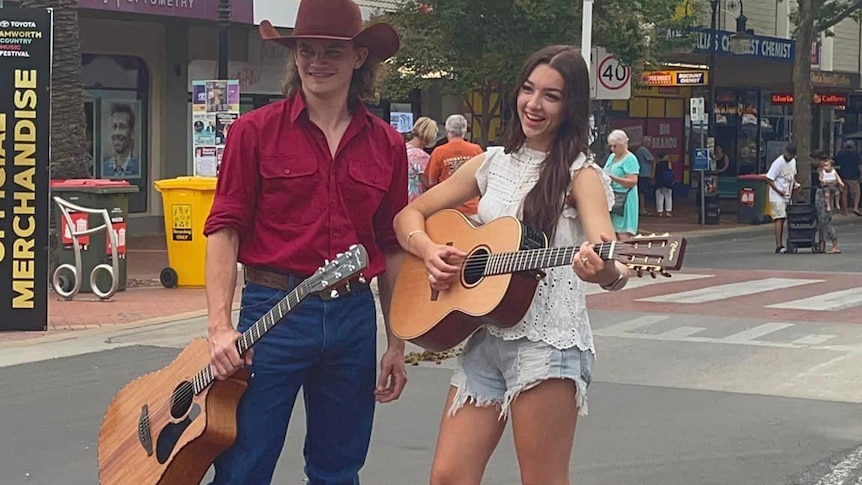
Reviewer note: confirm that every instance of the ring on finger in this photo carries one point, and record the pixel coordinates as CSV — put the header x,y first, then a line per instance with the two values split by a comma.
x,y
584,260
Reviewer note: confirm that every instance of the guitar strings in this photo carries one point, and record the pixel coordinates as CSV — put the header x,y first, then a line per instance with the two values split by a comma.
x,y
190,391
480,261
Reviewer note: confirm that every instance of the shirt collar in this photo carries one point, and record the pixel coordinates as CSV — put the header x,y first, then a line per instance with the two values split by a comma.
x,y
360,112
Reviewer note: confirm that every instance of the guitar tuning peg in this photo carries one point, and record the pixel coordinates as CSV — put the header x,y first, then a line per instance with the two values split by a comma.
x,y
362,279
667,234
334,294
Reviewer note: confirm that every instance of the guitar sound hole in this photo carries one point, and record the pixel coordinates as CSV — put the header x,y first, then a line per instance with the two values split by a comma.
x,y
474,266
181,401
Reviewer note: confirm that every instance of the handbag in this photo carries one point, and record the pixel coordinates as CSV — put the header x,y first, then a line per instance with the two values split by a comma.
x,y
619,207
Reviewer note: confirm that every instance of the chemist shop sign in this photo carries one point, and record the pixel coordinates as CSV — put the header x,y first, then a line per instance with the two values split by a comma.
x,y
25,74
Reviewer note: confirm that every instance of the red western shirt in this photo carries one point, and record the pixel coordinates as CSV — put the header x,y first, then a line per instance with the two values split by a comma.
x,y
293,204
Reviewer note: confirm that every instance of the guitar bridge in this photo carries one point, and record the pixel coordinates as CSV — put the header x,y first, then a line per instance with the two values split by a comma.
x,y
145,435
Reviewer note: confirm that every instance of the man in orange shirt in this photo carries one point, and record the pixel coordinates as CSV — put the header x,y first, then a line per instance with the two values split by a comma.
x,y
448,158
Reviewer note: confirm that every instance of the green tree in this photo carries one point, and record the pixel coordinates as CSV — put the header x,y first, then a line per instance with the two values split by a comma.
x,y
479,45
68,130
812,17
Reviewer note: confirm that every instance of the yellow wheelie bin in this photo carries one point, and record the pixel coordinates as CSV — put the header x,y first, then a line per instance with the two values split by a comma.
x,y
187,202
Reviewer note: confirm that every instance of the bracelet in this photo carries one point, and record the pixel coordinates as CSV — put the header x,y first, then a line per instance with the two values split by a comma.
x,y
413,233
618,284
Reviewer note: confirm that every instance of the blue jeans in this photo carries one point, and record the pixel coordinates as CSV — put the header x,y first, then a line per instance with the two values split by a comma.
x,y
329,348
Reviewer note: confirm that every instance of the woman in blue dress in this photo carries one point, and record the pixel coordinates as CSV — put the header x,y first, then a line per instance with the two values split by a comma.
x,y
622,167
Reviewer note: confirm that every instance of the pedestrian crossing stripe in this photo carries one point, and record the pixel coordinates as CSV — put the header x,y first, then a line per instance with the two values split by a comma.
x,y
730,290
834,301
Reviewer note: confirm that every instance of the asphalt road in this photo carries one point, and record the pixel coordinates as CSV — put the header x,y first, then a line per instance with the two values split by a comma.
x,y
665,408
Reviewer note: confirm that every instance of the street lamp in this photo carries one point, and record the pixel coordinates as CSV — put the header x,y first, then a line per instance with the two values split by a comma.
x,y
223,25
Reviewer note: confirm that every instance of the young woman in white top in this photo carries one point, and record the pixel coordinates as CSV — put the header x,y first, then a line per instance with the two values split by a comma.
x,y
538,371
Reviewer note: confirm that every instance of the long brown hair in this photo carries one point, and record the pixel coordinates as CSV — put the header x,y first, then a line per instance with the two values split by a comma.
x,y
364,86
544,203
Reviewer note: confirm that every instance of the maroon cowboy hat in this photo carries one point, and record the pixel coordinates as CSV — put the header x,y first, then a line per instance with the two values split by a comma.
x,y
336,20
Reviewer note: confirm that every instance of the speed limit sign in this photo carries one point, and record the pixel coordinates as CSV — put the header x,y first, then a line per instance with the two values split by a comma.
x,y
613,80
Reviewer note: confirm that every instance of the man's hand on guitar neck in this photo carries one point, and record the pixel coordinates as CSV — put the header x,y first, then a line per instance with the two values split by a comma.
x,y
225,358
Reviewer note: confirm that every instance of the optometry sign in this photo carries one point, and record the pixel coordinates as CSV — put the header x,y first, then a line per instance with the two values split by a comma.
x,y
609,78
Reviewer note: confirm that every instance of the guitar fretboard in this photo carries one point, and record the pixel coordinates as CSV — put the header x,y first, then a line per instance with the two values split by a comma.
x,y
205,377
531,259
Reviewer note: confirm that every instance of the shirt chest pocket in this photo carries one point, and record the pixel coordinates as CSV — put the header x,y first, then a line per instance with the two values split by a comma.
x,y
371,179
289,188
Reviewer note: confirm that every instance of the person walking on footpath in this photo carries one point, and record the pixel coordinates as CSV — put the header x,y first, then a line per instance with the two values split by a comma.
x,y
303,179
538,371
781,178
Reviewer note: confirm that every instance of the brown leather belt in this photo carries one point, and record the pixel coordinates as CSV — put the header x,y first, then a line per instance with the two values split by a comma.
x,y
288,281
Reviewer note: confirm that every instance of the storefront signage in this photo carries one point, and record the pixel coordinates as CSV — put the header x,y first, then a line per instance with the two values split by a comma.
x,y
771,48
832,79
675,78
241,10
827,99
25,111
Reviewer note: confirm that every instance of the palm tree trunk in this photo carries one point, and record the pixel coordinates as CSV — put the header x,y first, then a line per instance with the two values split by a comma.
x,y
68,125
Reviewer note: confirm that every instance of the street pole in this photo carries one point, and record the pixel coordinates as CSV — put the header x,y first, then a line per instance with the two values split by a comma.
x,y
223,25
586,52
710,120
587,31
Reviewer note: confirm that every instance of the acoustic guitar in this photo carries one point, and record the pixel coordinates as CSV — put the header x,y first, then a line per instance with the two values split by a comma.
x,y
166,428
499,276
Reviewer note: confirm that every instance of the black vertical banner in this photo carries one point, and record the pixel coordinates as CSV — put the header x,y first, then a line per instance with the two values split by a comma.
x,y
25,125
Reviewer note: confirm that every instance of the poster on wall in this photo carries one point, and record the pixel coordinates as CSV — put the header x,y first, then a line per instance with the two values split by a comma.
x,y
25,114
121,139
215,106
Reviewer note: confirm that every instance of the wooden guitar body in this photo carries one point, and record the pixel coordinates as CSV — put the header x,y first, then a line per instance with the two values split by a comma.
x,y
181,446
441,320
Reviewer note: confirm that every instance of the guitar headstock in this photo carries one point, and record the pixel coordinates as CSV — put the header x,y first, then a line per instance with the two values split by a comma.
x,y
653,253
345,266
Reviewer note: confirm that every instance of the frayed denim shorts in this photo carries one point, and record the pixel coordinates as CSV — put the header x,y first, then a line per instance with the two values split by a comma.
x,y
492,371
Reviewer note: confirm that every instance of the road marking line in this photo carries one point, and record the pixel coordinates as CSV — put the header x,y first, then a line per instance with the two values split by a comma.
x,y
758,331
843,469
634,324
815,339
730,290
634,283
681,332
830,302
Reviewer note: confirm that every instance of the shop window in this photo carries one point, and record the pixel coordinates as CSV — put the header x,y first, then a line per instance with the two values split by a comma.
x,y
116,89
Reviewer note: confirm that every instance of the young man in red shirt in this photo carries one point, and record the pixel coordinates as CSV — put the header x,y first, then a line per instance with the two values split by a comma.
x,y
301,180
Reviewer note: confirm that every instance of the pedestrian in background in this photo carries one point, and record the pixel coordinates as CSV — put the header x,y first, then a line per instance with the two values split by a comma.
x,y
447,159
781,178
663,179
623,169
849,166
423,135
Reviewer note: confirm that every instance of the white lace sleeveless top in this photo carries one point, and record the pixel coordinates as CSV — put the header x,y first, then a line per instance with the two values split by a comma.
x,y
558,315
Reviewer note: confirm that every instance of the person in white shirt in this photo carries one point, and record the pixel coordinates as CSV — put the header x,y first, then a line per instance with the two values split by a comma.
x,y
781,178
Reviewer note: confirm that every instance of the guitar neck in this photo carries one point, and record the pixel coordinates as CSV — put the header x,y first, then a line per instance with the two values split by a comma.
x,y
533,259
269,320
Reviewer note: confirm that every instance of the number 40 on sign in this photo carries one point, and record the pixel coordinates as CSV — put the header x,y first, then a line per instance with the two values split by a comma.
x,y
609,78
